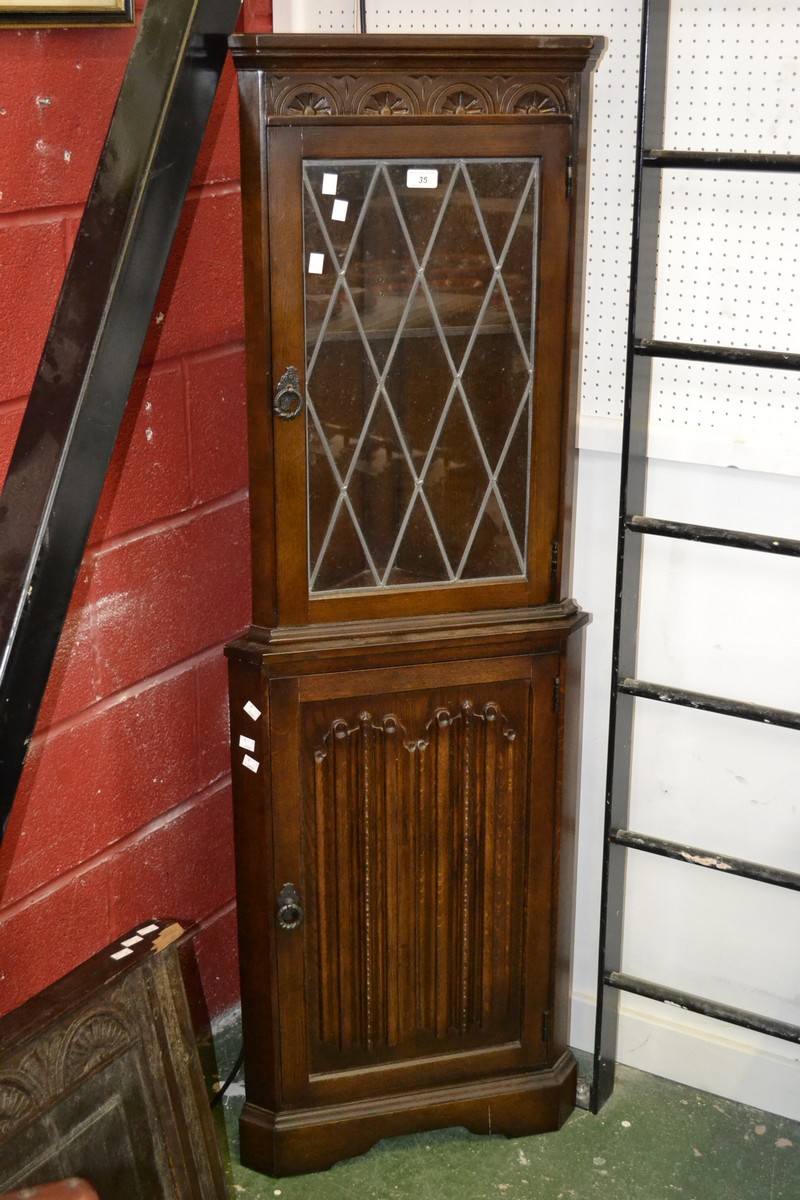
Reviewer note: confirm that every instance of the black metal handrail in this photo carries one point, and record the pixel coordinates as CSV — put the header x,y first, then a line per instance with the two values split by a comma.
x,y
643,348
73,415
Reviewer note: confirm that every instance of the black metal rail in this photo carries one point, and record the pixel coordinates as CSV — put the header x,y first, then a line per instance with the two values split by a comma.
x,y
713,160
72,418
643,348
697,857
731,356
704,702
713,536
706,1008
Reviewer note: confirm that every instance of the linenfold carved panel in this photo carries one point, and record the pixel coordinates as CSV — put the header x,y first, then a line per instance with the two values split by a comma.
x,y
398,96
417,847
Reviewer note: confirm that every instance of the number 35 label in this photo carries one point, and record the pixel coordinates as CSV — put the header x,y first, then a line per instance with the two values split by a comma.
x,y
425,178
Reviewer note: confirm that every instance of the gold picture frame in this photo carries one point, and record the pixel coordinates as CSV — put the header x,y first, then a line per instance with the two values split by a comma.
x,y
57,13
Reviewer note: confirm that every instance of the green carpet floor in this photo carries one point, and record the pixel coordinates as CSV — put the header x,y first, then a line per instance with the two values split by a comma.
x,y
654,1140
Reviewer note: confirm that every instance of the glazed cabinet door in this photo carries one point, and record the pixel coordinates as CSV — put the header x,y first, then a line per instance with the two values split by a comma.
x,y
414,825
420,315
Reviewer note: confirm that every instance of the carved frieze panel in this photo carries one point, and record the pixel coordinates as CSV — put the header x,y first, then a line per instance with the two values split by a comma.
x,y
56,1062
99,1078
377,95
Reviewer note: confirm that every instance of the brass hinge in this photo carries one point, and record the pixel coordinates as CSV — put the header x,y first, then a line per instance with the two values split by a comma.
x,y
569,177
557,693
546,1025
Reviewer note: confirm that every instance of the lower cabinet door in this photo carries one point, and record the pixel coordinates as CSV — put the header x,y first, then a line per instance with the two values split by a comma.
x,y
414,825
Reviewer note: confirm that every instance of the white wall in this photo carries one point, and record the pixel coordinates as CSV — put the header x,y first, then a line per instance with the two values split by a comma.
x,y
726,447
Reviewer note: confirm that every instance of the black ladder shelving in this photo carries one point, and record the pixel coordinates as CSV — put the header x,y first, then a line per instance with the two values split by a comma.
x,y
651,163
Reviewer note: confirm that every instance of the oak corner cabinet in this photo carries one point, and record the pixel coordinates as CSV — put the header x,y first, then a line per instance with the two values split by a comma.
x,y
403,708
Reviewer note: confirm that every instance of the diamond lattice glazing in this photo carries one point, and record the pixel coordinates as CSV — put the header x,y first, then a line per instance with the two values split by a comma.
x,y
419,369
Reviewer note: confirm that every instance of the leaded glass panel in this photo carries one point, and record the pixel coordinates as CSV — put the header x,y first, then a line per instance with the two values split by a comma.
x,y
419,319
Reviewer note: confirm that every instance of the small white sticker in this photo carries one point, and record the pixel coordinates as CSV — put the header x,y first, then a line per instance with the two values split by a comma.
x,y
122,954
329,183
251,710
132,941
250,763
339,210
426,178
148,929
315,264
246,743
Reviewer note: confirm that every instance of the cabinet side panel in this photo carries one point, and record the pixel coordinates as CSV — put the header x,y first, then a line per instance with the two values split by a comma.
x,y
255,244
249,721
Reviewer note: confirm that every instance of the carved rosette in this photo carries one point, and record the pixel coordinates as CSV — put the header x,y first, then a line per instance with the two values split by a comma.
x,y
391,100
18,1102
463,100
538,100
412,877
435,96
307,100
91,1043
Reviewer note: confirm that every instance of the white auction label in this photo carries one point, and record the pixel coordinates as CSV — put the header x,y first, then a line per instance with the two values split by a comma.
x,y
422,178
315,264
339,210
329,183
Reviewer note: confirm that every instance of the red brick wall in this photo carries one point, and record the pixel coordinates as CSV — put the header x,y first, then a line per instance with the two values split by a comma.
x,y
123,811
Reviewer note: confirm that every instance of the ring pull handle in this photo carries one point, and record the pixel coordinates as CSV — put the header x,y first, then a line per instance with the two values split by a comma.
x,y
288,399
290,910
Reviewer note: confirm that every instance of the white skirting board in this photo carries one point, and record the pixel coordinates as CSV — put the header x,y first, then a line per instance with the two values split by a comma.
x,y
725,1060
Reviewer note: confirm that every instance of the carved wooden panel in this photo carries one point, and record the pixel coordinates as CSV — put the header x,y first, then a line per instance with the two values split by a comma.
x,y
415,848
99,1078
395,95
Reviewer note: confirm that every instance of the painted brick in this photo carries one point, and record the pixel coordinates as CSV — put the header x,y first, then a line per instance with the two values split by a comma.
x,y
71,686
217,958
219,152
257,16
31,271
200,303
168,595
217,408
148,478
87,785
184,867
213,737
10,418
58,92
45,939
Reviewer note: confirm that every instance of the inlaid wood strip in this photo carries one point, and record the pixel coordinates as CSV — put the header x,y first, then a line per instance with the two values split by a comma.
x,y
466,897
425,861
366,795
503,966
485,953
349,926
328,922
443,964
393,836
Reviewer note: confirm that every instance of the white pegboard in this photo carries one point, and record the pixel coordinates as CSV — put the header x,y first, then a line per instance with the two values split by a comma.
x,y
729,252
729,246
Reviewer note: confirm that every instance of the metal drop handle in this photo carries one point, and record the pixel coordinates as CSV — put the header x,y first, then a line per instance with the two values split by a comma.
x,y
288,398
290,910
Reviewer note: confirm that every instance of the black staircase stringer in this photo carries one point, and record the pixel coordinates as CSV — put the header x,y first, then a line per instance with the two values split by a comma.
x,y
73,415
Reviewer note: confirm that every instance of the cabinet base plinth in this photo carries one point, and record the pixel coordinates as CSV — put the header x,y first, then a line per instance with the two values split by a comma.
x,y
292,1143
